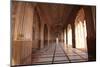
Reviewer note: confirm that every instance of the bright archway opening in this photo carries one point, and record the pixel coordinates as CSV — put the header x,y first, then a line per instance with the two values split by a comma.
x,y
80,31
69,35
65,37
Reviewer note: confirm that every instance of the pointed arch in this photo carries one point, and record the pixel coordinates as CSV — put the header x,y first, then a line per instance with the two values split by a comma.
x,y
80,30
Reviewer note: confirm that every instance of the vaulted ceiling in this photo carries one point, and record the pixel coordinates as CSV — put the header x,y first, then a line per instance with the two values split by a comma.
x,y
54,15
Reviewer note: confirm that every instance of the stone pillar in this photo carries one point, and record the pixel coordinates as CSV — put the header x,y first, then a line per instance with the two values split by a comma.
x,y
42,35
66,37
73,35
62,37
91,36
49,36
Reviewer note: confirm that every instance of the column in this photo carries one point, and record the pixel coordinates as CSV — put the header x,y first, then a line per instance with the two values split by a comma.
x,y
91,36
73,35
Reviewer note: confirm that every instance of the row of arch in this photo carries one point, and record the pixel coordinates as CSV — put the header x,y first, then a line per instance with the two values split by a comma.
x,y
80,35
40,32
81,32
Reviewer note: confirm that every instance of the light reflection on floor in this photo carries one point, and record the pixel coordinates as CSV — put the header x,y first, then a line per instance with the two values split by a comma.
x,y
57,53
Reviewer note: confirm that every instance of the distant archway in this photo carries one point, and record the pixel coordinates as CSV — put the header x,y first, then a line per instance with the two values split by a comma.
x,y
69,35
65,37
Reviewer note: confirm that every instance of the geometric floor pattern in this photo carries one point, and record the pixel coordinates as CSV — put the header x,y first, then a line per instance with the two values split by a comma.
x,y
58,53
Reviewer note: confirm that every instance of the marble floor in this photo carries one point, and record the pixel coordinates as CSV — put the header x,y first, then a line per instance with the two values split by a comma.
x,y
58,53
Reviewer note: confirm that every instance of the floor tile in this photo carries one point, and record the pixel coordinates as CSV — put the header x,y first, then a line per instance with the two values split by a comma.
x,y
60,55
60,58
74,57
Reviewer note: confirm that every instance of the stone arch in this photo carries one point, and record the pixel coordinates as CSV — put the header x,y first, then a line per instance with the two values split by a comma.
x,y
80,30
91,32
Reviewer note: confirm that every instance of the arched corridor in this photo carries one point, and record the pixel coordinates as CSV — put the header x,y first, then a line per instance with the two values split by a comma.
x,y
48,33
